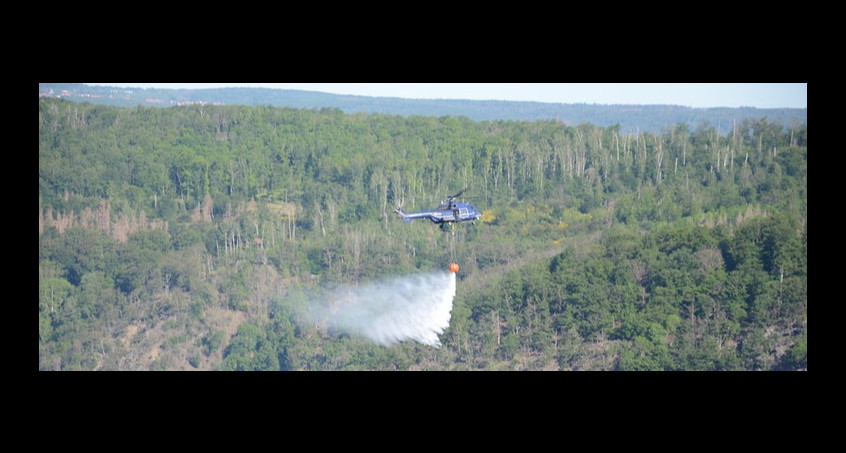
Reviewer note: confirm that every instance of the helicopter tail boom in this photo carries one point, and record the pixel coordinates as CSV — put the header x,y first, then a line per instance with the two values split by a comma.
x,y
406,217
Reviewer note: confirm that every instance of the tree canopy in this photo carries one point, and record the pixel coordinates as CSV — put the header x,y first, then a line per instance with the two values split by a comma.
x,y
169,238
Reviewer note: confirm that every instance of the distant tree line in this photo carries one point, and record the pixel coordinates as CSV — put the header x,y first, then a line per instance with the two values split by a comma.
x,y
631,118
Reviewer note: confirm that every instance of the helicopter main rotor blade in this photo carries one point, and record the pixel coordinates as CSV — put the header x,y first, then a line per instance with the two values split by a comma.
x,y
458,194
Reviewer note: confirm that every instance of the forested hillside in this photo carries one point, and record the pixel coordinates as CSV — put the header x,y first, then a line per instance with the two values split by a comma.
x,y
631,118
171,238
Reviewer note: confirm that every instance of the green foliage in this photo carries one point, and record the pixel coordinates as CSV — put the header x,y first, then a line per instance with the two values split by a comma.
x,y
163,231
251,349
212,342
797,357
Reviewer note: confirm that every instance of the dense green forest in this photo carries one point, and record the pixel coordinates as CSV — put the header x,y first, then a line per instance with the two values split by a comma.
x,y
170,238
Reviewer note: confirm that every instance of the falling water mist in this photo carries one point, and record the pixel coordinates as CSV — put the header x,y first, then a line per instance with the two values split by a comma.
x,y
412,307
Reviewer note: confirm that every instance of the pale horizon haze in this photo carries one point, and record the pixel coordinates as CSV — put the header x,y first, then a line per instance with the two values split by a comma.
x,y
699,95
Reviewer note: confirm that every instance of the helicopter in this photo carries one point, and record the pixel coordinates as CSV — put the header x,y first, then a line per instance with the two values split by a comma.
x,y
448,212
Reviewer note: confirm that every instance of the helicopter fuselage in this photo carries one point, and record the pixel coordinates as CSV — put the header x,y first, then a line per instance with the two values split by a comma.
x,y
447,212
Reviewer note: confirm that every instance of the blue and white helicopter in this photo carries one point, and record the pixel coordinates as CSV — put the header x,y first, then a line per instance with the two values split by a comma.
x,y
449,212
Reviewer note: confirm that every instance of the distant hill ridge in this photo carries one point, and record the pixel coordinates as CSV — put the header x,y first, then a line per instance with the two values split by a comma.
x,y
631,118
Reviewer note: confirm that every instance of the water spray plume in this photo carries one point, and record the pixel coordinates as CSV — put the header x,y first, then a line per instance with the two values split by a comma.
x,y
414,307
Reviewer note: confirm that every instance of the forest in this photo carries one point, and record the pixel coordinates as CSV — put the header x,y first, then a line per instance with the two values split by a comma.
x,y
170,239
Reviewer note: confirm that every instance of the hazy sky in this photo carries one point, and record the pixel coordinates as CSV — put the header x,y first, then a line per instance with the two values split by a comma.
x,y
761,95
